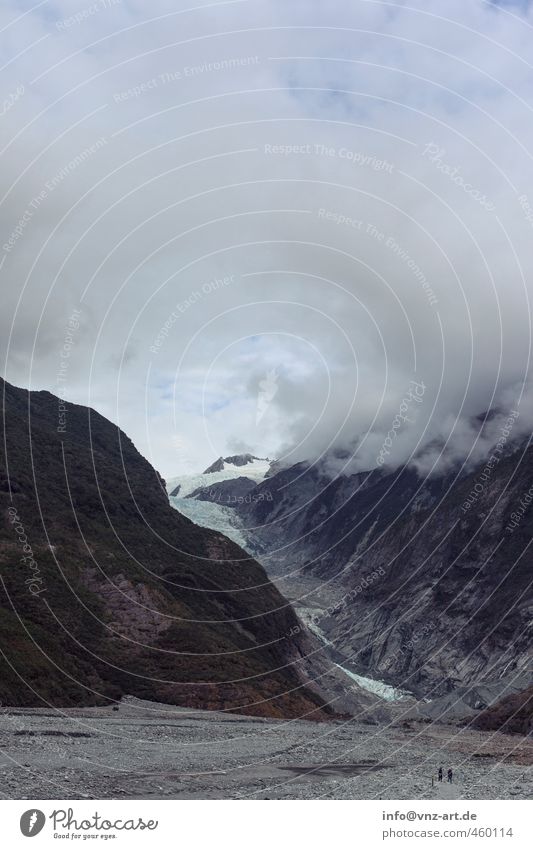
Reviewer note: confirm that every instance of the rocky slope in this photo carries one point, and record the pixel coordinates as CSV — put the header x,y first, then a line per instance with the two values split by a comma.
x,y
513,713
228,493
106,590
425,584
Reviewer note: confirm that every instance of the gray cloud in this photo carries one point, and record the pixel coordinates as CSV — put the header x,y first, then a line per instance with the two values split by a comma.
x,y
340,194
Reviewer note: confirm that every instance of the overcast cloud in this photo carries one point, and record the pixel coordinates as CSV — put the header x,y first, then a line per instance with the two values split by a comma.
x,y
274,219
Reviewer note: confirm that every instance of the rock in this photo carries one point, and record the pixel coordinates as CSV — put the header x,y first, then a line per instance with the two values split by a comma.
x,y
413,588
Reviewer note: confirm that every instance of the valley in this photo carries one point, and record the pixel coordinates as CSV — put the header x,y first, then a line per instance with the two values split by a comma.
x,y
221,657
153,751
406,595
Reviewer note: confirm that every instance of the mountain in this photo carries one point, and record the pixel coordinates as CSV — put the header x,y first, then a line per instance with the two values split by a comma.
x,y
191,494
228,492
422,583
235,461
106,590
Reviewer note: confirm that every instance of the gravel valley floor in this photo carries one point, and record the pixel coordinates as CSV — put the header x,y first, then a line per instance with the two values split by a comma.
x,y
147,750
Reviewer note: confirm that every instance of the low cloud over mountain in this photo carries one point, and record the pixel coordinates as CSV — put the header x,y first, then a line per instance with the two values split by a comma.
x,y
271,221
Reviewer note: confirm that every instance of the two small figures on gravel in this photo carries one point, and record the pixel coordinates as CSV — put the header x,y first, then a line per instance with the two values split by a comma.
x,y
450,775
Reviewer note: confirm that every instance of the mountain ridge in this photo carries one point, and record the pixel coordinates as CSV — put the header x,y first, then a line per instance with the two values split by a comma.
x,y
131,597
453,603
234,460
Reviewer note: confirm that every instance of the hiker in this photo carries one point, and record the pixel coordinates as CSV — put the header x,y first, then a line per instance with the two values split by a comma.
x,y
450,776
440,773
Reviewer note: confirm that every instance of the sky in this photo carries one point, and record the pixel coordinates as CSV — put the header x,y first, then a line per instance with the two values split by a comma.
x,y
297,229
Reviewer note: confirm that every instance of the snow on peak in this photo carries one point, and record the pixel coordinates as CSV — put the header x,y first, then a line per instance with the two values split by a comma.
x,y
237,461
215,516
255,470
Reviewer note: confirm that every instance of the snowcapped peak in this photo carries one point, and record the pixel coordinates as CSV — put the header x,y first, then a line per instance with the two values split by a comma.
x,y
225,468
237,461
216,516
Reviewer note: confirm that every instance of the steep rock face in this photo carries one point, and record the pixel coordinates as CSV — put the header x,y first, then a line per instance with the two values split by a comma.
x,y
105,589
428,594
228,493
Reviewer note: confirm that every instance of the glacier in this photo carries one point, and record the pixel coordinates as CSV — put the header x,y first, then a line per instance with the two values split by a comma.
x,y
227,521
209,515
